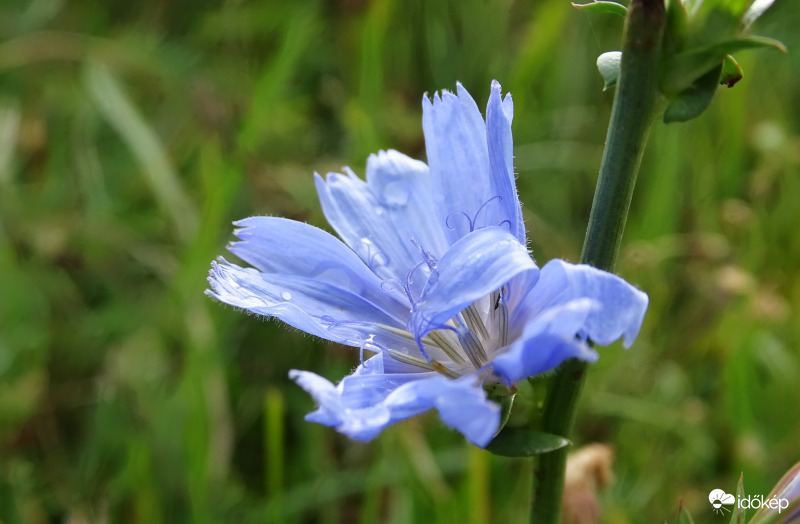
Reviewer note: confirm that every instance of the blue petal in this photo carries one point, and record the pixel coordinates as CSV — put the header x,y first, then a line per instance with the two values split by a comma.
x,y
282,246
382,365
316,307
499,114
403,187
476,265
546,342
383,218
458,155
620,311
363,404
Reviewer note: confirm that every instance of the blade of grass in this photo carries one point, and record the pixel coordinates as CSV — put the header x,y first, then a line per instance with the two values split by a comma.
x,y
120,112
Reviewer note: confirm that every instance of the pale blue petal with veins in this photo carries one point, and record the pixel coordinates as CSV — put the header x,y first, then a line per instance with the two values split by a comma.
x,y
432,277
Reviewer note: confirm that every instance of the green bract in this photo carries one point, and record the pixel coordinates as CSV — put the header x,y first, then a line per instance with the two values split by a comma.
x,y
695,50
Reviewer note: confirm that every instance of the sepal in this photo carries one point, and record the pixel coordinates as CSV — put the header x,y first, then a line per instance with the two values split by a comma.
x,y
694,53
731,72
695,99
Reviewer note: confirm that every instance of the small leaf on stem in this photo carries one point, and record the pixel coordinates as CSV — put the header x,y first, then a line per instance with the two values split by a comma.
x,y
691,102
685,68
525,443
731,72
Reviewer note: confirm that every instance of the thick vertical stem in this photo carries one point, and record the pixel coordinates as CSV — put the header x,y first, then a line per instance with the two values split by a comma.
x,y
632,114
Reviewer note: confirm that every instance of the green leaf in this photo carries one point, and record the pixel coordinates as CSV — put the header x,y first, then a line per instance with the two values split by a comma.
x,y
608,65
739,514
525,443
731,72
612,8
685,68
693,101
677,24
684,517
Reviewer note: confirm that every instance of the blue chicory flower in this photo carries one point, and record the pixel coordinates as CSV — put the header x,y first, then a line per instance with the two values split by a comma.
x,y
433,279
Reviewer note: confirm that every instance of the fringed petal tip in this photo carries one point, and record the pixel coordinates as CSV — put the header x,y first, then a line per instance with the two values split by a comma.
x,y
215,274
619,310
213,278
505,103
443,95
437,96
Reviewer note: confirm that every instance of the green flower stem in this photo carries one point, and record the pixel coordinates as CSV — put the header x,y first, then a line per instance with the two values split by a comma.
x,y
635,103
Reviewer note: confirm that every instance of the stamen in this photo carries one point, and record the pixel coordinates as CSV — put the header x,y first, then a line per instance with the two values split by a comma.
x,y
451,349
439,367
410,274
469,220
388,285
433,339
427,256
433,365
473,220
475,323
472,347
405,334
500,316
478,212
506,222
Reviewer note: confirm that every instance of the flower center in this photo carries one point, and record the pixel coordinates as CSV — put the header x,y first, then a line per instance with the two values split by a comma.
x,y
467,342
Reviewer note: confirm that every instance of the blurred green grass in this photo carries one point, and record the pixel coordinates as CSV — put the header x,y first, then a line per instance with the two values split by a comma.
x,y
131,135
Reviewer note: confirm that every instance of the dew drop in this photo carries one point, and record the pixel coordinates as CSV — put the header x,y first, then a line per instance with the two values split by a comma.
x,y
395,194
286,295
370,254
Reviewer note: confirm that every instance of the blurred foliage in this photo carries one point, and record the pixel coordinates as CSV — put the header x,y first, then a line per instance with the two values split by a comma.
x,y
132,134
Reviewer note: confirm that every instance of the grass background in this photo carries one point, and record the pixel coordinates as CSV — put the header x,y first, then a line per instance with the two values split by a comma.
x,y
132,134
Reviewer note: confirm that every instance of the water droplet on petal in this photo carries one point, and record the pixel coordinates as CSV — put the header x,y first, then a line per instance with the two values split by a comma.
x,y
371,255
286,295
395,194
